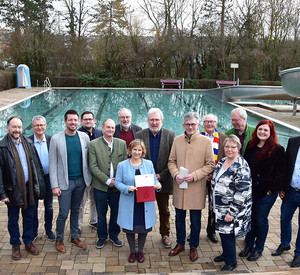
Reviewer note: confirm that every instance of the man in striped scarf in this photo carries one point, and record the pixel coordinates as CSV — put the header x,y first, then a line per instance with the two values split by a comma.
x,y
210,123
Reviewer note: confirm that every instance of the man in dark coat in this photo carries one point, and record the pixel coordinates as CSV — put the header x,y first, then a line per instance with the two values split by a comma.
x,y
21,182
291,201
158,142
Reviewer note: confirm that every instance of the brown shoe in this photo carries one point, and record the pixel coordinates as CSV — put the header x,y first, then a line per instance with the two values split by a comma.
x,y
193,254
16,253
176,250
32,249
60,246
166,241
78,243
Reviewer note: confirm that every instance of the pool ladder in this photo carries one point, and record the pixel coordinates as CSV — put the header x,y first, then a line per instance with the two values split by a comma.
x,y
47,82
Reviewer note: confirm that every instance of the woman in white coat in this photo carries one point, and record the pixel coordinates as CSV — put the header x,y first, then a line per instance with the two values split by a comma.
x,y
134,217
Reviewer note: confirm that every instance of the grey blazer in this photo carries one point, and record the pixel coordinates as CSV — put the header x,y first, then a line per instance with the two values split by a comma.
x,y
58,163
166,141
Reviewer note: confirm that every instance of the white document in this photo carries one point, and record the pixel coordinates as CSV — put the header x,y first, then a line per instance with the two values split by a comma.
x,y
144,180
183,173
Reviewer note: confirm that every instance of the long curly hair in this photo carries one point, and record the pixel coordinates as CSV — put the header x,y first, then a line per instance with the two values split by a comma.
x,y
270,144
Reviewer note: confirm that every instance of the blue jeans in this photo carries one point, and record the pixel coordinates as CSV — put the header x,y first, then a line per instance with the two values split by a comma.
x,y
288,208
229,249
69,199
48,204
13,226
103,200
195,219
261,208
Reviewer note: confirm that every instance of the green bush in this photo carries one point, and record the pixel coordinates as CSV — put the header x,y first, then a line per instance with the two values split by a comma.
x,y
257,78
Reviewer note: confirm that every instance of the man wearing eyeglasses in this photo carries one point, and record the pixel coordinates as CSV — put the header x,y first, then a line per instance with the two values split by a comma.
x,y
88,121
158,142
240,127
125,130
210,123
41,142
193,152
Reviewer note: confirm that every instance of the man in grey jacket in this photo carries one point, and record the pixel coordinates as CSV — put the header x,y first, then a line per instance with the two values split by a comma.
x,y
69,175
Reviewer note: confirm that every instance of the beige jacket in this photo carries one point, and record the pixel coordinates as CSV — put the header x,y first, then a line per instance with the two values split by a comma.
x,y
195,154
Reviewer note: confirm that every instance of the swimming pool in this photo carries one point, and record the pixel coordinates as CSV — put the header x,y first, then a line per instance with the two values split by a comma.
x,y
105,103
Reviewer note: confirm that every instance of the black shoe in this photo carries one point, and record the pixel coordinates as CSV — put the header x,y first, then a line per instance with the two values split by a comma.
x,y
188,238
213,237
219,259
280,250
296,261
245,252
79,231
228,267
254,256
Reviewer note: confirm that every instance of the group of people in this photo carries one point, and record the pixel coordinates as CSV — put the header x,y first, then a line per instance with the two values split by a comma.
x,y
242,171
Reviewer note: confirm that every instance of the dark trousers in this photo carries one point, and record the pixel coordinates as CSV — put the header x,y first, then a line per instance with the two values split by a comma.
x,y
164,213
229,249
261,208
13,225
288,208
48,204
211,222
103,200
195,219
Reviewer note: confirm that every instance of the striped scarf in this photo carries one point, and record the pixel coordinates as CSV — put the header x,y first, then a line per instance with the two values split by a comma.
x,y
215,143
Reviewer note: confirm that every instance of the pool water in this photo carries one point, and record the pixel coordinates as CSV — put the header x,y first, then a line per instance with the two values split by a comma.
x,y
105,103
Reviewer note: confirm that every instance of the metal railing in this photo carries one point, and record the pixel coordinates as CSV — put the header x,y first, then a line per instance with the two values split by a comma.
x,y
47,82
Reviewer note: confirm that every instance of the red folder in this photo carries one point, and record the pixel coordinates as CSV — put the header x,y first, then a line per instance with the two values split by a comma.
x,y
145,193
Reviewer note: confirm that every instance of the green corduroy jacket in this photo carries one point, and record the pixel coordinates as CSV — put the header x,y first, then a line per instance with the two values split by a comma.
x,y
100,157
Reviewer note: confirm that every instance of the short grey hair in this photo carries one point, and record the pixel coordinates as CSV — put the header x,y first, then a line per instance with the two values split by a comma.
x,y
233,138
104,121
191,115
38,117
214,116
240,111
124,109
156,111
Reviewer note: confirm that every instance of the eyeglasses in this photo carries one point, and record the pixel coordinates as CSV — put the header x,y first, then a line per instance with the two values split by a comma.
x,y
124,117
38,125
88,119
154,120
209,121
236,120
190,124
230,147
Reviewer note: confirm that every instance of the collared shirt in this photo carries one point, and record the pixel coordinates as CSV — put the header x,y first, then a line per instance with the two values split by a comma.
x,y
91,135
154,147
295,183
111,173
43,153
22,156
212,137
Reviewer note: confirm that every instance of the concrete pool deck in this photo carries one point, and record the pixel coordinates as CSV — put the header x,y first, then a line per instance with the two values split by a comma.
x,y
113,260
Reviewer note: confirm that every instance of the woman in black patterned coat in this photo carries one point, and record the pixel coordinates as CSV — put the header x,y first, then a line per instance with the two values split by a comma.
x,y
232,200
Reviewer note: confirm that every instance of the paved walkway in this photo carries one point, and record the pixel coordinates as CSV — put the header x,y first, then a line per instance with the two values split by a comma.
x,y
113,260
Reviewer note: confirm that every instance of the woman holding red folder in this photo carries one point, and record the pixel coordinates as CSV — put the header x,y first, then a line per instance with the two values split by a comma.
x,y
135,217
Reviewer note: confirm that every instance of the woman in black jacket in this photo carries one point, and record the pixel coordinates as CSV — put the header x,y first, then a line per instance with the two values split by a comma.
x,y
265,157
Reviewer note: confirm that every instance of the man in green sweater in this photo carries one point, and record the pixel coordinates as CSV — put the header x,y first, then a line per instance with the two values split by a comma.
x,y
240,127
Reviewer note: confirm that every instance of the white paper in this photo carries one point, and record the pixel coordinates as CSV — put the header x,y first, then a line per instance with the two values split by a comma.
x,y
144,180
183,173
